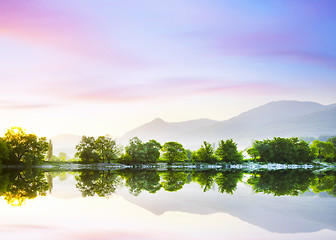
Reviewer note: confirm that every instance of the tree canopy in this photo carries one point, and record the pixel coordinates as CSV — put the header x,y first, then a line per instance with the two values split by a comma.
x,y
173,152
97,150
281,150
227,151
23,147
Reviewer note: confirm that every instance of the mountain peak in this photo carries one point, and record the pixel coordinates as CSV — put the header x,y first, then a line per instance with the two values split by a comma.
x,y
158,120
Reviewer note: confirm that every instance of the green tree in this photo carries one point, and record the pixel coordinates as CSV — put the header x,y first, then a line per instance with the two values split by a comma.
x,y
189,154
62,156
263,150
23,147
136,150
323,150
50,151
4,153
152,149
86,150
206,153
253,153
173,152
107,148
227,151
333,141
281,150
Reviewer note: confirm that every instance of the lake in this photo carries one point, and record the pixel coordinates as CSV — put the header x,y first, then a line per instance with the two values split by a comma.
x,y
174,204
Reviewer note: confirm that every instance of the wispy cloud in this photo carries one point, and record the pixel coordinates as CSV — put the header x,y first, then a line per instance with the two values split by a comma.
x,y
22,105
274,45
37,23
107,92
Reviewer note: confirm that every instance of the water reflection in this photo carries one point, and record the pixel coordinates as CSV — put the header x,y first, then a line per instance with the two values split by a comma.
x,y
18,185
101,183
281,182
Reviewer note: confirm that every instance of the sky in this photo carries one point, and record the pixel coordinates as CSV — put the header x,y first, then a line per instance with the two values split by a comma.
x,y
107,66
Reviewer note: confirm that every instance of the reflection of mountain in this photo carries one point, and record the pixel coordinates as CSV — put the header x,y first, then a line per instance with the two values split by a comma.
x,y
283,118
275,214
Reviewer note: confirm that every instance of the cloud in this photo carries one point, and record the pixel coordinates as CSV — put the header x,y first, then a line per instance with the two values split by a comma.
x,y
107,92
53,27
22,105
274,45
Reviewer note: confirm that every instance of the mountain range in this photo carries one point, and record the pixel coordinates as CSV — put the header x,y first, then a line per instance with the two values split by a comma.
x,y
274,119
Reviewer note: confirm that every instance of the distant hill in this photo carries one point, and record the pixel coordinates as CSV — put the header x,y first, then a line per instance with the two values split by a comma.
x,y
163,131
65,143
281,118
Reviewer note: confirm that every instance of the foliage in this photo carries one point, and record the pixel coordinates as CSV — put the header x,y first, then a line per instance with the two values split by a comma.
x,y
152,150
4,153
189,155
139,152
173,152
50,151
107,148
23,147
323,150
205,153
86,150
101,149
227,151
62,156
281,150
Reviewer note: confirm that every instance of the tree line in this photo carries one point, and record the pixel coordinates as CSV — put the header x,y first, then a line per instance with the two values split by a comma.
x,y
19,147
104,149
277,150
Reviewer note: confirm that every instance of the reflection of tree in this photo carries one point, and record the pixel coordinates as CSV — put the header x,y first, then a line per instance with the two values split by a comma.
x,y
205,179
18,186
102,183
324,182
173,181
227,181
281,182
137,181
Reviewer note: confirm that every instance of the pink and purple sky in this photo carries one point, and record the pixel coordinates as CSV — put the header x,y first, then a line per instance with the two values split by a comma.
x,y
107,66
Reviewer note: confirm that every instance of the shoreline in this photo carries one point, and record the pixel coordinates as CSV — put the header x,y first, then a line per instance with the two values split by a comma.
x,y
251,166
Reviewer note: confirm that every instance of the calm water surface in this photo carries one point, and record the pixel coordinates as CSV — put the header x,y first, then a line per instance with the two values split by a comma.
x,y
130,204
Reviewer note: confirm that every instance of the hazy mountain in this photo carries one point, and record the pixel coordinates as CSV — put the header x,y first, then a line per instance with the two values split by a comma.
x,y
164,131
65,143
281,118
